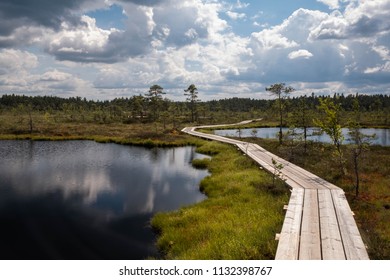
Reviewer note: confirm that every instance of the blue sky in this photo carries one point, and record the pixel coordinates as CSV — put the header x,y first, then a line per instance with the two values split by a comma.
x,y
103,49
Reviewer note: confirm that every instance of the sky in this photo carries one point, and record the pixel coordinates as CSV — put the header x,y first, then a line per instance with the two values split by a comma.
x,y
106,49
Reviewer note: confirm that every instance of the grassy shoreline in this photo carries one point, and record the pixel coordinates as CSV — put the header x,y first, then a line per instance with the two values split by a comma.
x,y
238,220
148,143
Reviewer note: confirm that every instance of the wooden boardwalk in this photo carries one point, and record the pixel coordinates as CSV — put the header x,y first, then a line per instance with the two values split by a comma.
x,y
319,223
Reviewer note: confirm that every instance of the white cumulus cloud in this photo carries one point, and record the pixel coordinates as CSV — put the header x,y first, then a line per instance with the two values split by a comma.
x,y
83,43
332,4
300,54
12,60
235,16
269,39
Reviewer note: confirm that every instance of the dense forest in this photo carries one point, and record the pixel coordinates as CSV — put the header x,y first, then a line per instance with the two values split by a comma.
x,y
235,104
153,107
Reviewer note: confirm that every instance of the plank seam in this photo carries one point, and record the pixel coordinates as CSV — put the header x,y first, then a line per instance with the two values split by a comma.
x,y
338,223
300,228
319,224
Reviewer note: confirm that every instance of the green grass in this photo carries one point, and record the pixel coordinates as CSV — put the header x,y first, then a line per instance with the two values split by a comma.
x,y
140,134
202,163
238,220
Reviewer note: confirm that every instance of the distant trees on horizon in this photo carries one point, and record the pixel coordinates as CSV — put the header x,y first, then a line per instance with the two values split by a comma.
x,y
152,106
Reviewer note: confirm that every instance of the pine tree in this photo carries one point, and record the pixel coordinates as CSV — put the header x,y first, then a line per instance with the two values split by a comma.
x,y
280,91
192,98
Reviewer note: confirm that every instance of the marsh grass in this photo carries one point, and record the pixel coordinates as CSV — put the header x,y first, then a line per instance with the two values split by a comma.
x,y
139,134
254,124
202,163
238,220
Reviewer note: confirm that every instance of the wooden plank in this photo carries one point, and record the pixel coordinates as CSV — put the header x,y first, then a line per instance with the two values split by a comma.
x,y
291,175
332,246
310,247
288,246
353,244
310,215
265,160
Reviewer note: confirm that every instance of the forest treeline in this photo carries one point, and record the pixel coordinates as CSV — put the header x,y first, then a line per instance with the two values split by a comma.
x,y
235,104
146,109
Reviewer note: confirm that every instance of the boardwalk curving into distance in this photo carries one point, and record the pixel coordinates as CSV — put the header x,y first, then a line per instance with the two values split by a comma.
x,y
319,223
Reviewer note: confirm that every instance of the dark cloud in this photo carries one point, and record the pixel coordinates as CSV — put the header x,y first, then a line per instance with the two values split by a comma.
x,y
22,21
16,14
144,2
363,21
48,13
171,27
7,26
364,27
183,25
127,44
105,55
367,27
119,46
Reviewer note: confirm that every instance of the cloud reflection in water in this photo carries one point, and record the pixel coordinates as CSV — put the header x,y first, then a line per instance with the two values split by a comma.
x,y
104,187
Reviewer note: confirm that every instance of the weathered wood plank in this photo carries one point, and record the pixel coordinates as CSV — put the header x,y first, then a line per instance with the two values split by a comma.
x,y
310,247
290,236
332,246
353,244
318,222
265,160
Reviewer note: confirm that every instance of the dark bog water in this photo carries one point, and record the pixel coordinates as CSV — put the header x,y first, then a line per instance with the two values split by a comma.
x,y
382,135
85,200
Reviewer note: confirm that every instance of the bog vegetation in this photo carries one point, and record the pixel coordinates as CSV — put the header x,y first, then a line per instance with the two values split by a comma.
x,y
244,209
31,114
239,219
